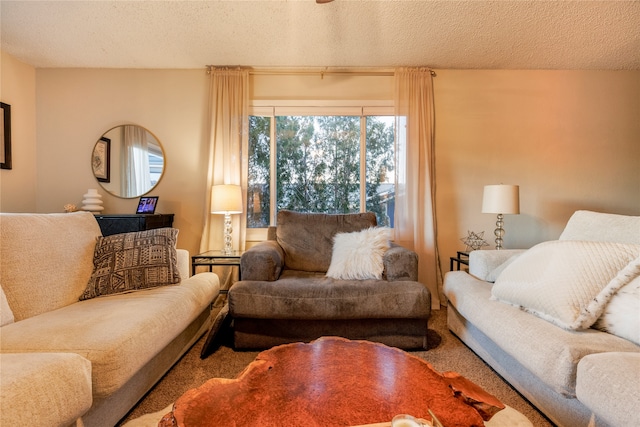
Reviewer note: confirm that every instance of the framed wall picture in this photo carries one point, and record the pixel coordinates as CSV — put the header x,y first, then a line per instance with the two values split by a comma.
x,y
101,160
5,136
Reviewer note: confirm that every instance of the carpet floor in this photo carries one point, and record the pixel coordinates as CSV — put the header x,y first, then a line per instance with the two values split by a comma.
x,y
446,353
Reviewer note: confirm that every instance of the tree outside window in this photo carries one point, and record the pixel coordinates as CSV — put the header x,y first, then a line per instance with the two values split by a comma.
x,y
318,166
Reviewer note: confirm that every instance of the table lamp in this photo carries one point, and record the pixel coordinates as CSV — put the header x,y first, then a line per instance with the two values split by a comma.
x,y
501,199
226,199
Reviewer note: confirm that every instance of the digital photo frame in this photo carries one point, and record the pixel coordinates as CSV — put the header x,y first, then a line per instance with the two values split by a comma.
x,y
147,205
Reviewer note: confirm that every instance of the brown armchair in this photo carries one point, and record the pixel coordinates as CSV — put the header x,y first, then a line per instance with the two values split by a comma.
x,y
285,295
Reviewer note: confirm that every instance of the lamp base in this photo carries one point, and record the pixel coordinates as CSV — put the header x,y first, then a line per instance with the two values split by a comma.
x,y
499,231
228,249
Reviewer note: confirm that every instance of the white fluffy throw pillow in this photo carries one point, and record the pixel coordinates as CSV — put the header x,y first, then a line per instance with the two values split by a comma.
x,y
358,255
568,283
621,316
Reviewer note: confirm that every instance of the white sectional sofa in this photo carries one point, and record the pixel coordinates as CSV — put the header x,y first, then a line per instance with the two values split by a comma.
x,y
66,361
575,374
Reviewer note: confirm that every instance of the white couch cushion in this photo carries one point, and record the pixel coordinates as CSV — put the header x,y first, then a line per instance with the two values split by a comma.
x,y
6,315
46,259
44,389
608,384
483,264
119,334
602,227
568,282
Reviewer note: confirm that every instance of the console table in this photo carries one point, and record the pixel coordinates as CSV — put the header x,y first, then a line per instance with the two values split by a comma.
x,y
125,223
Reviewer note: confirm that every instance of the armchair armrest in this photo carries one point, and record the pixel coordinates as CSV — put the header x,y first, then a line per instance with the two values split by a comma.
x,y
263,261
400,264
483,263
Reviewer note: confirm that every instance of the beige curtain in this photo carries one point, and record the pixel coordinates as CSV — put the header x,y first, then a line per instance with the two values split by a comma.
x,y
136,179
415,220
228,142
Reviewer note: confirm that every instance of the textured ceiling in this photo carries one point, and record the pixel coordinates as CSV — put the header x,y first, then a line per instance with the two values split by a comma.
x,y
344,33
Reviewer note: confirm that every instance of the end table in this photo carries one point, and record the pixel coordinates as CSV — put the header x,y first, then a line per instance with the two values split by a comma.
x,y
213,258
460,258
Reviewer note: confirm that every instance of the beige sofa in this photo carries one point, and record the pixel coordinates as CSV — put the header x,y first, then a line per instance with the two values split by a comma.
x,y
64,360
582,377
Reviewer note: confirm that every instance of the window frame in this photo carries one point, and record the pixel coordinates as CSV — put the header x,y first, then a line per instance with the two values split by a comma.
x,y
273,108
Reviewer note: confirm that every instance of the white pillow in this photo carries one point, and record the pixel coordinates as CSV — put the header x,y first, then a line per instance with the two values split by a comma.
x,y
568,282
6,315
358,255
621,316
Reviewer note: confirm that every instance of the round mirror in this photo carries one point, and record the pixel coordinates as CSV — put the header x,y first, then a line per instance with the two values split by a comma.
x,y
128,161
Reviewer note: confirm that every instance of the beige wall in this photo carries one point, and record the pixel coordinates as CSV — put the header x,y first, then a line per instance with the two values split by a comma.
x,y
18,89
570,139
76,106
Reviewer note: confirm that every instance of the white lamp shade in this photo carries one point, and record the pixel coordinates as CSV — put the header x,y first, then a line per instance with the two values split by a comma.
x,y
225,199
501,199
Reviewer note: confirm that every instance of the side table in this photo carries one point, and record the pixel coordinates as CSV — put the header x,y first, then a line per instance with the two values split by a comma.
x,y
460,258
222,320
213,258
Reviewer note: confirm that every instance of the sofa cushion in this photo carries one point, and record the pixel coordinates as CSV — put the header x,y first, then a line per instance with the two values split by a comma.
x,y
307,238
568,282
46,251
306,295
547,351
608,384
487,265
6,315
358,255
621,315
46,389
602,227
120,333
133,261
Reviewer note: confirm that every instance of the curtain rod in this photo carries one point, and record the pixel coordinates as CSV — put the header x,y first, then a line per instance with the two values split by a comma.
x,y
321,71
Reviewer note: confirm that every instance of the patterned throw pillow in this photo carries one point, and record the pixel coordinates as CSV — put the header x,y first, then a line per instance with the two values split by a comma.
x,y
133,261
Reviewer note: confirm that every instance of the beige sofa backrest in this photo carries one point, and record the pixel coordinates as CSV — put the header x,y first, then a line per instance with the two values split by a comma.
x,y
46,259
602,227
307,238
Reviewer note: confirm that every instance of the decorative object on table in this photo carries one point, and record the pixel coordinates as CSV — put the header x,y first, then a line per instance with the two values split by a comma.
x,y
5,136
474,241
226,199
147,205
101,160
406,420
69,207
92,201
501,199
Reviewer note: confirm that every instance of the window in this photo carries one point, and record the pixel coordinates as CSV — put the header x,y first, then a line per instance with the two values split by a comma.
x,y
314,163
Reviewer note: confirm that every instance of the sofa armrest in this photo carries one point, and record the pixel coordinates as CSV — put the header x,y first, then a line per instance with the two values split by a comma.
x,y
483,264
400,263
263,261
183,263
607,383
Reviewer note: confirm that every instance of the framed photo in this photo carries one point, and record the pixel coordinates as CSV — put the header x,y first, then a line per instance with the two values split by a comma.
x,y
5,136
101,160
